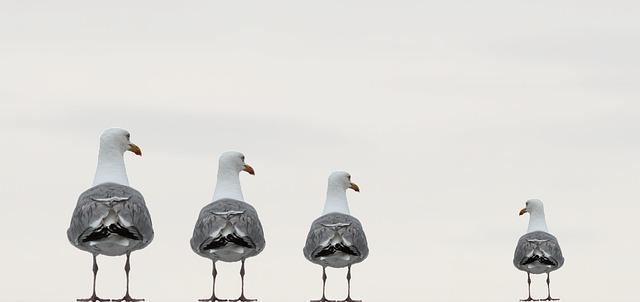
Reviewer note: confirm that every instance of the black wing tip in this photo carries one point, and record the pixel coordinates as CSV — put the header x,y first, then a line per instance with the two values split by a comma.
x,y
534,258
214,243
97,234
332,249
241,241
122,231
347,249
221,241
329,250
105,231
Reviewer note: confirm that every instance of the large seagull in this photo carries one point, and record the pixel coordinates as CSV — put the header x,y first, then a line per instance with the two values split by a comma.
x,y
537,252
336,239
228,228
111,217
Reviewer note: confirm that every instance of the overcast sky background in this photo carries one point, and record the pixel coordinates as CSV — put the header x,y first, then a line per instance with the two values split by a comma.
x,y
449,115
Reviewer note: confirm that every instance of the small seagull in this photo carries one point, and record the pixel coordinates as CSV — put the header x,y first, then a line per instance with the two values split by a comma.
x,y
228,229
111,218
537,251
336,238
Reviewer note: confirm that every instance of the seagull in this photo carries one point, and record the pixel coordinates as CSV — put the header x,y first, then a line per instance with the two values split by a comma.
x,y
228,229
336,238
537,251
111,217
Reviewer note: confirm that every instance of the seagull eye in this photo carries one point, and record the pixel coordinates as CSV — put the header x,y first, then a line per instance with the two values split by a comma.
x,y
128,136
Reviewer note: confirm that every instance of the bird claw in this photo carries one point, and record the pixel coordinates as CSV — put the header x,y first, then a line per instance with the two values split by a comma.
x,y
549,299
324,300
348,299
242,299
213,299
93,298
127,298
529,299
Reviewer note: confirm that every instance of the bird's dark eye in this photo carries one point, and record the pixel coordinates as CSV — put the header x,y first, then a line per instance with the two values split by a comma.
x,y
128,136
242,157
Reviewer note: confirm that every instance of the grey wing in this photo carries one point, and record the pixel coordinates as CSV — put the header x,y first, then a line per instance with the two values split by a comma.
x,y
317,238
552,249
240,214
134,214
96,203
357,238
523,248
249,224
540,246
87,215
206,225
324,229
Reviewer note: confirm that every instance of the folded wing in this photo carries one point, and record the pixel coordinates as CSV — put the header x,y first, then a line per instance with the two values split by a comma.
x,y
336,240
231,224
110,214
538,252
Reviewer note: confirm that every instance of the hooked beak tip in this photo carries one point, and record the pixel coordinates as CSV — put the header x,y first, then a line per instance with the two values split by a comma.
x,y
249,169
135,149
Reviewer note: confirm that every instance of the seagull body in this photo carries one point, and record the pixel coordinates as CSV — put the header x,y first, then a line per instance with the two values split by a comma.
x,y
537,251
111,218
228,229
336,239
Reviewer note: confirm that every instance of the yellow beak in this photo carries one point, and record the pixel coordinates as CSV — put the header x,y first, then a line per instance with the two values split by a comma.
x,y
249,169
135,149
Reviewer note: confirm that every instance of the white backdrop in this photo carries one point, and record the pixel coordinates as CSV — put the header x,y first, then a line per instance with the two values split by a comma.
x,y
449,115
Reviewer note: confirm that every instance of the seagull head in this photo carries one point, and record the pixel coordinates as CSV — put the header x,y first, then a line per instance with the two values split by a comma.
x,y
533,206
342,180
234,161
119,140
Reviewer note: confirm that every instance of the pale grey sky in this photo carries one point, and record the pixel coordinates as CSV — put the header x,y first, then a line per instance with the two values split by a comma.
x,y
449,115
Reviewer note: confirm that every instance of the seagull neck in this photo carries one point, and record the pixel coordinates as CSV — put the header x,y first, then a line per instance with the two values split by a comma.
x,y
228,185
110,167
336,201
537,222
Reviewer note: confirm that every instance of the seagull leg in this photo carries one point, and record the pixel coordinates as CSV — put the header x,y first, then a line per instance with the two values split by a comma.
x,y
213,298
549,291
529,282
94,297
242,297
324,283
127,298
348,299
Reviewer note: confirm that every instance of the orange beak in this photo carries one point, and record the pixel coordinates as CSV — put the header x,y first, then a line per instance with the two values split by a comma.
x,y
249,169
135,149
522,212
354,187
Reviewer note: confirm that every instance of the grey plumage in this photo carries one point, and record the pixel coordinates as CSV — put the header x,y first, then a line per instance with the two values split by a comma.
x,y
336,240
537,253
110,219
223,224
